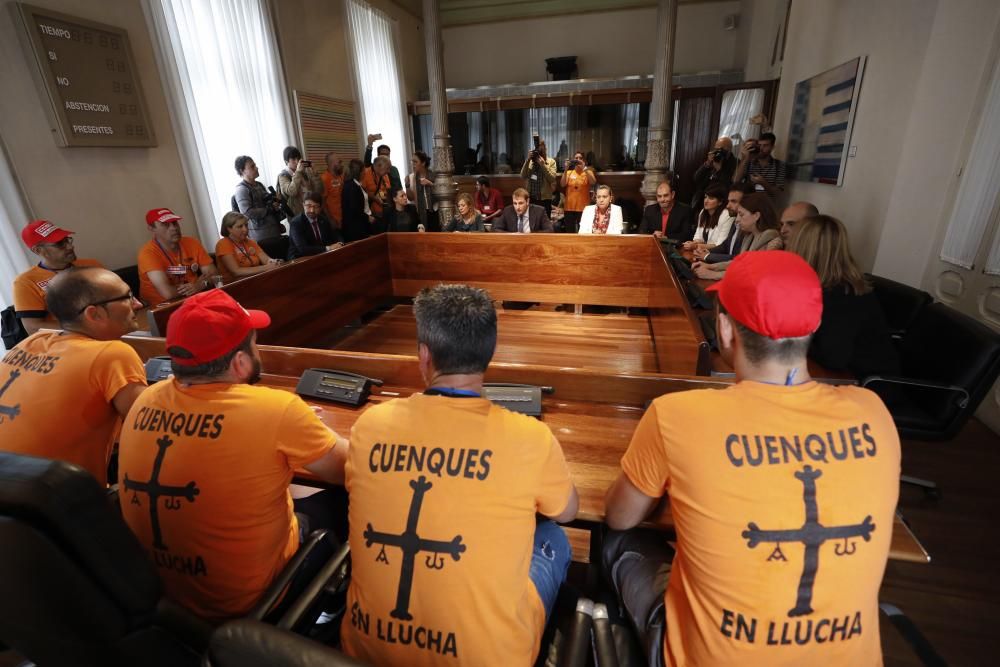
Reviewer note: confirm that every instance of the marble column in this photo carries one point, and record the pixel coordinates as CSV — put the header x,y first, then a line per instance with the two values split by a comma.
x,y
661,108
442,160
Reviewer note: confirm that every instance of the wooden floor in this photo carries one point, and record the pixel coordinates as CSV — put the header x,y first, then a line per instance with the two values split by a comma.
x,y
615,342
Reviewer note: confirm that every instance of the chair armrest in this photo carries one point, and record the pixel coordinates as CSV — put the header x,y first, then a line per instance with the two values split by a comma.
x,y
963,401
246,642
333,573
280,583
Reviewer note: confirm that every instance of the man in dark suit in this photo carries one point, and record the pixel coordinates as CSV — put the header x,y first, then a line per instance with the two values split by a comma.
x,y
522,217
310,232
667,217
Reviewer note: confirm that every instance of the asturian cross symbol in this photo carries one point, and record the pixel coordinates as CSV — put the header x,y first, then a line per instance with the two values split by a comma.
x,y
410,543
154,489
10,411
812,534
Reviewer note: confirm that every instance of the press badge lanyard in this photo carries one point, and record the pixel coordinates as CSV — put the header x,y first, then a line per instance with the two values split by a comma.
x,y
451,393
241,249
172,269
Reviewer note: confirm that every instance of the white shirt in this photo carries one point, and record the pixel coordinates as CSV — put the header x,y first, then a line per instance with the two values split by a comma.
x,y
719,233
615,225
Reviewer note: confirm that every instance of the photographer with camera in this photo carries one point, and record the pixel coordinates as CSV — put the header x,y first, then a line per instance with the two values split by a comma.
x,y
759,168
718,169
577,180
297,179
395,183
540,171
262,209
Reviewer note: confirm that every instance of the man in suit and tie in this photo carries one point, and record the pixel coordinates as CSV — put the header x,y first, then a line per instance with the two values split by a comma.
x,y
667,217
522,217
310,231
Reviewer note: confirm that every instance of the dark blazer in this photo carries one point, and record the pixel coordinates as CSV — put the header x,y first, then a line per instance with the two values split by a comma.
x,y
680,224
401,221
355,224
854,335
538,222
302,239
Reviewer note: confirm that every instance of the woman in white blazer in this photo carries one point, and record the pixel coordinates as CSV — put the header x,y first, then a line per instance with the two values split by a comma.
x,y
605,217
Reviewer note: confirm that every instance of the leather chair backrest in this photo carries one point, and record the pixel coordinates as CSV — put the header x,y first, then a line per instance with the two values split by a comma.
x,y
947,346
900,303
246,642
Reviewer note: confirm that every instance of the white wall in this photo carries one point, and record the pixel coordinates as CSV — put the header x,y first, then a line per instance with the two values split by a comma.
x,y
607,44
100,193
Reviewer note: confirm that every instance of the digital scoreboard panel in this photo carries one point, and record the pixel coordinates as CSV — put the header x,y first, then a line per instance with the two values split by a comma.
x,y
89,76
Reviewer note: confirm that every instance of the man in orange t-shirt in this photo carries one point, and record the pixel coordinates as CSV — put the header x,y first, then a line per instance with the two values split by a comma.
x,y
782,492
206,460
63,393
55,248
171,265
333,188
449,565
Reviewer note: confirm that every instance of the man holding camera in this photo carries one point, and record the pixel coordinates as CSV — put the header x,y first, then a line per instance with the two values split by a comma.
x,y
761,169
297,179
540,171
720,163
262,208
395,183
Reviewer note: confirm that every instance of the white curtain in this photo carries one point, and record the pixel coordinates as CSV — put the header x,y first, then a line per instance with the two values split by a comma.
x,y
14,215
738,107
975,209
552,126
227,96
379,79
629,121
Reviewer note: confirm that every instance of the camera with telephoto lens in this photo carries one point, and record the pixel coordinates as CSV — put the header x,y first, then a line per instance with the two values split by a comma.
x,y
271,196
753,149
719,154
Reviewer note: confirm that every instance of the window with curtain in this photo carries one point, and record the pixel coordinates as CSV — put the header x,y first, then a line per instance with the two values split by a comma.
x,y
14,214
738,107
379,79
227,95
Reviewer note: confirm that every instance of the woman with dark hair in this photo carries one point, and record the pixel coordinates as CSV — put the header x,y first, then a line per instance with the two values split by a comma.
x,y
854,335
236,254
358,219
468,219
758,230
419,188
402,216
714,220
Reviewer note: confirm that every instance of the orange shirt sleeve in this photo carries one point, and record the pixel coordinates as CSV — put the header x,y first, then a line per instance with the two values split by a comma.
x,y
199,253
645,461
223,247
28,296
150,259
116,366
555,484
303,438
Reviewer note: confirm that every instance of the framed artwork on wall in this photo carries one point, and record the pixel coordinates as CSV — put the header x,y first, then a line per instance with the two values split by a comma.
x,y
819,135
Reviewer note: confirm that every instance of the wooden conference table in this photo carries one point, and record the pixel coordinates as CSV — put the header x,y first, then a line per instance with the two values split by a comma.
x,y
330,311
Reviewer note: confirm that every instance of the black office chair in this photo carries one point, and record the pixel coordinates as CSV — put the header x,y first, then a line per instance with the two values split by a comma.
x,y
276,248
130,275
900,303
248,642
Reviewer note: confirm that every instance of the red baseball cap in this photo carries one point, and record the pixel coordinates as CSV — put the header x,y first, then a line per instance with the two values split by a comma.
x,y
209,325
155,215
42,231
774,293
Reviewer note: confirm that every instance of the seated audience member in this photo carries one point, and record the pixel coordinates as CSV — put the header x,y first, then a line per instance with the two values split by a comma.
x,y
522,217
358,222
377,185
54,247
296,179
489,201
311,232
718,168
251,199
420,189
539,172
667,217
383,151
488,588
791,217
758,230
402,216
67,391
236,254
233,527
854,335
743,467
171,265
467,218
602,217
715,223
576,182
333,188
725,250
759,168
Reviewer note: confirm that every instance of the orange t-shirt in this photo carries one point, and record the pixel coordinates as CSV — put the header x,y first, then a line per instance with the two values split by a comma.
x,y
468,477
247,255
377,189
56,390
29,291
577,191
222,526
333,188
744,467
180,268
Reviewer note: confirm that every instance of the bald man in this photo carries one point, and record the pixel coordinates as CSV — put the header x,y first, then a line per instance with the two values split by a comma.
x,y
720,165
792,216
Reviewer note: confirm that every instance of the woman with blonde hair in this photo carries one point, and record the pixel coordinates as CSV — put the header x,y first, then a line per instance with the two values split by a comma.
x,y
853,335
236,254
467,218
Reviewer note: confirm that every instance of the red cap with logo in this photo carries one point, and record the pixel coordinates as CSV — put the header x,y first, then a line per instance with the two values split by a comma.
x,y
774,293
155,215
42,231
209,325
